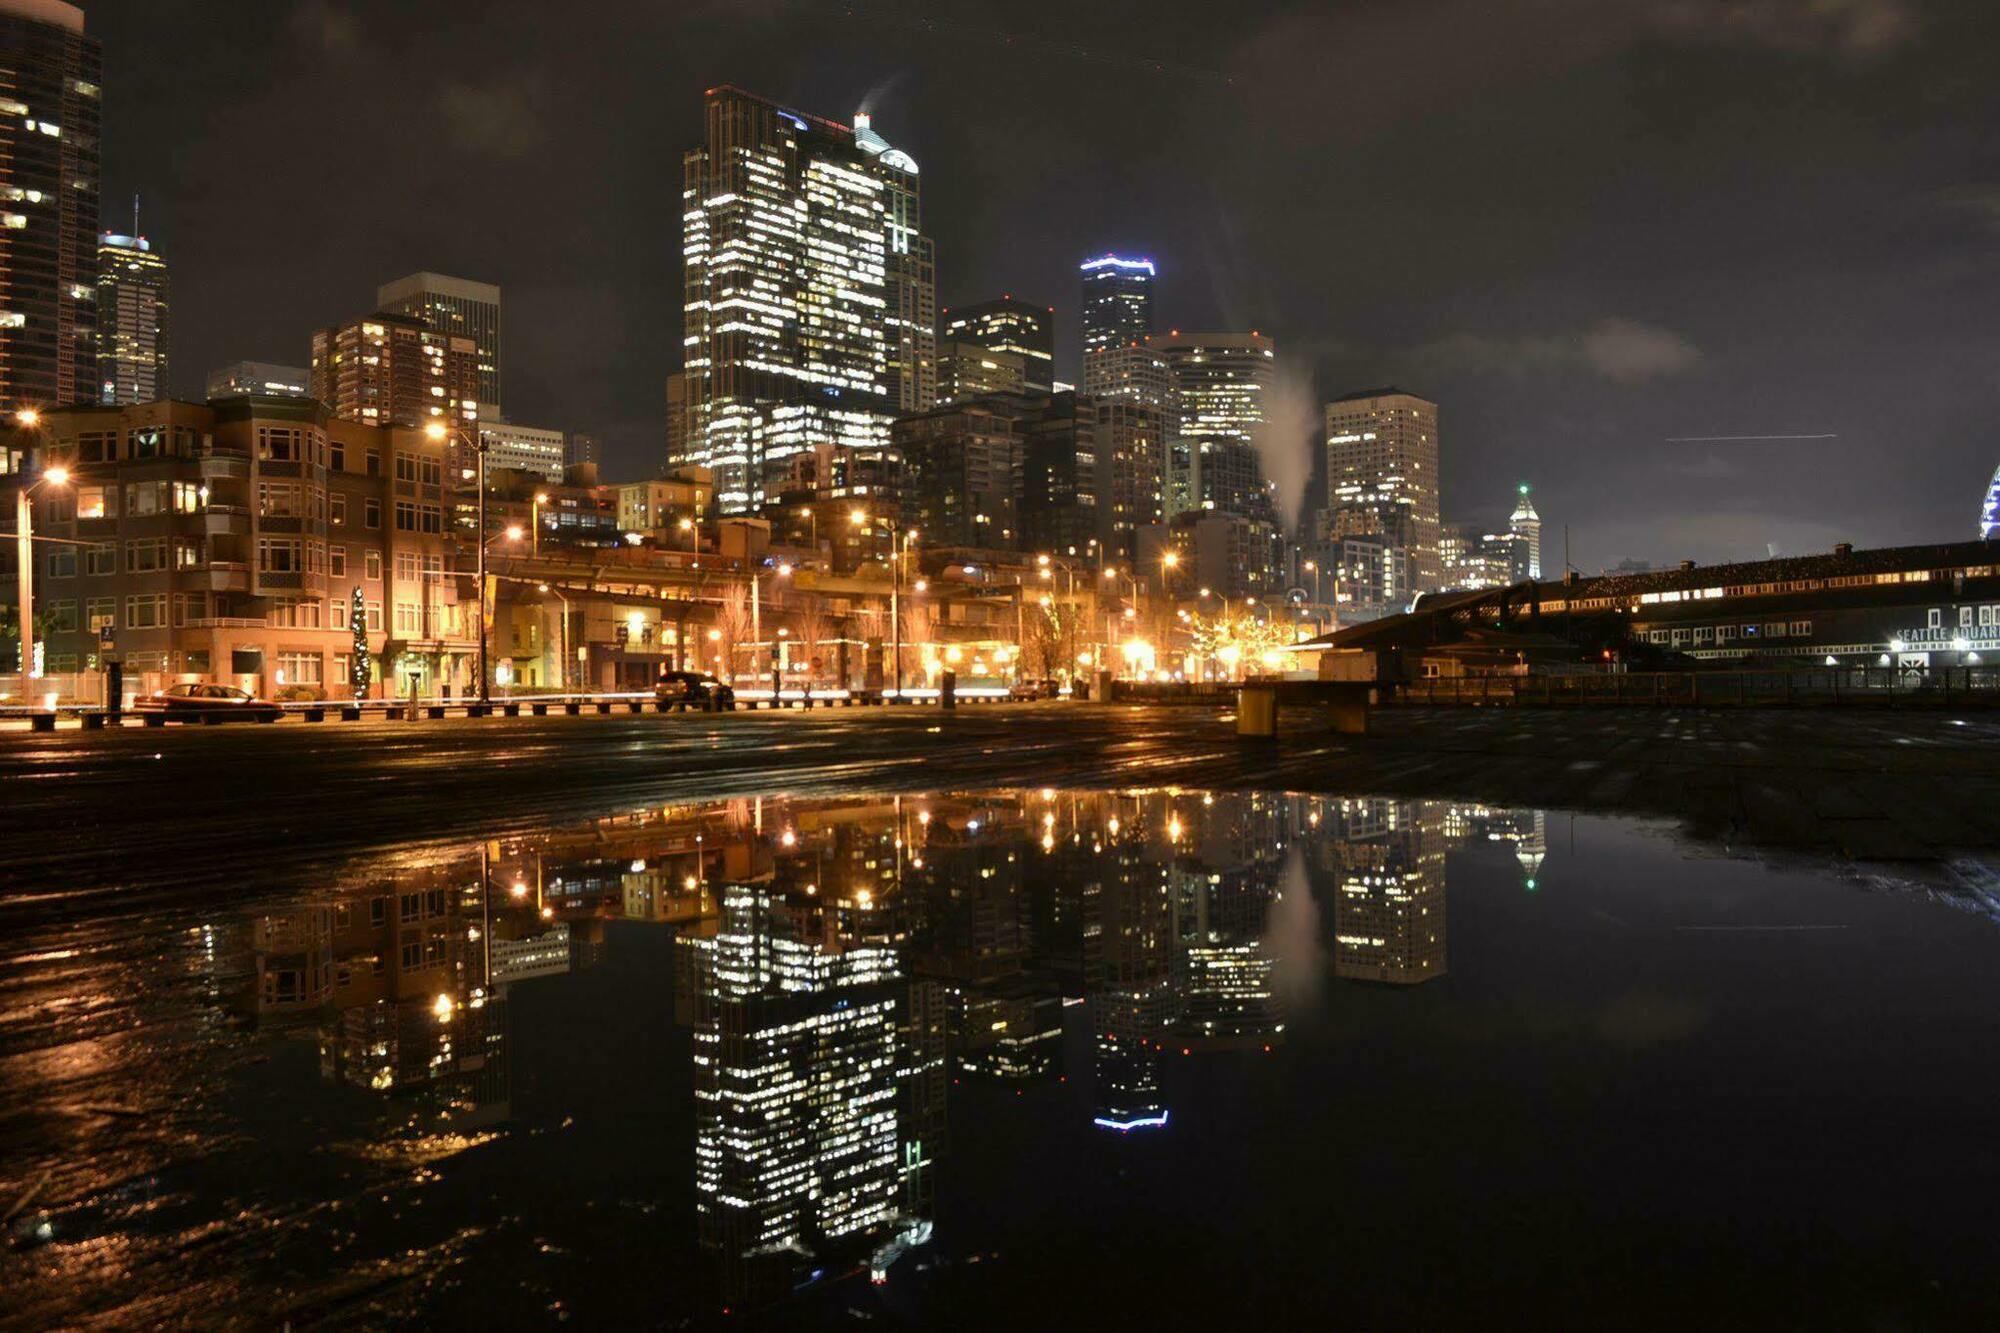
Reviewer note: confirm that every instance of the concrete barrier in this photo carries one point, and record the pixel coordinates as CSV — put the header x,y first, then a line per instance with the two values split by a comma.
x,y
511,710
604,710
435,712
539,710
42,722
155,719
93,721
572,708
315,714
350,715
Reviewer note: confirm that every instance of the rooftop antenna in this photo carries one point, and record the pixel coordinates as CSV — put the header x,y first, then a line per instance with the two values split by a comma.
x,y
135,213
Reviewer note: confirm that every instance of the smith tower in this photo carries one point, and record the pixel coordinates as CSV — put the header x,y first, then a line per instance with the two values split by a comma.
x,y
49,106
786,291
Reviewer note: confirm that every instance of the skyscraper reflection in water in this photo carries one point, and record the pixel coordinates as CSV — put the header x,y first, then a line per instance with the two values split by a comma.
x,y
839,963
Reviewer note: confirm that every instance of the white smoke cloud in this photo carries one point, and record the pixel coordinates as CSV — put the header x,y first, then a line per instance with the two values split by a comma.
x,y
1285,443
1292,939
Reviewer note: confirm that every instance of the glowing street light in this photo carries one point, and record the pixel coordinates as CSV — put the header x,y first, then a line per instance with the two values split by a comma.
x,y
24,548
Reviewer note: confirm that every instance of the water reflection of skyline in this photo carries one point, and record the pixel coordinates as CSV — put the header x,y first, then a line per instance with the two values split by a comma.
x,y
839,962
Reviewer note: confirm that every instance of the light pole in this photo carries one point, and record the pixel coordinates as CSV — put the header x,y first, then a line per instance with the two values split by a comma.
x,y
562,663
24,548
535,521
899,546
757,618
694,536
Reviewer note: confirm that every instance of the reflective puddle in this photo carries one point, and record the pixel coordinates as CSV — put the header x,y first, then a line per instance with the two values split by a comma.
x,y
1033,1058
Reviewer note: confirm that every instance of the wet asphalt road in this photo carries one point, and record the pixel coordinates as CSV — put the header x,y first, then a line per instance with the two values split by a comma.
x,y
126,820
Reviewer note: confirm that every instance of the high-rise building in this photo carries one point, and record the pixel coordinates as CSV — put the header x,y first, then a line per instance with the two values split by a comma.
x,y
1012,327
1060,478
1382,474
1117,307
50,94
580,448
968,370
530,449
393,370
787,295
1131,459
912,272
453,308
240,379
1219,388
1525,526
962,473
678,416
1132,372
131,321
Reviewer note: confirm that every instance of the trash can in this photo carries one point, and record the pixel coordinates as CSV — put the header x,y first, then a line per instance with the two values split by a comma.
x,y
1257,711
948,688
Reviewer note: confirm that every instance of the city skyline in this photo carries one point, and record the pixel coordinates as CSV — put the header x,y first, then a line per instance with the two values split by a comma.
x,y
1575,382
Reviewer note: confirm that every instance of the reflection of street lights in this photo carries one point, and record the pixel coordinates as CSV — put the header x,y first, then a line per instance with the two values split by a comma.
x,y
24,549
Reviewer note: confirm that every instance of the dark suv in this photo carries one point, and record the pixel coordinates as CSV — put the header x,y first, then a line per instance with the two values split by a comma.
x,y
693,689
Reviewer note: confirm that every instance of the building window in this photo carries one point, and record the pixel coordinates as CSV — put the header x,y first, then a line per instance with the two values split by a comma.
x,y
146,612
280,556
145,557
100,613
337,508
281,444
1802,629
336,455
62,562
371,564
374,462
371,514
301,668
337,613
1935,618
374,610
1965,617
93,501
64,614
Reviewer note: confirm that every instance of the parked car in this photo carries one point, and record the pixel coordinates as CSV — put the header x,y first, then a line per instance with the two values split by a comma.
x,y
694,689
208,703
1035,689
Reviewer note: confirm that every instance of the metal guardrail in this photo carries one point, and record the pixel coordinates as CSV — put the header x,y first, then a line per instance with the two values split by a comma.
x,y
93,716
1819,686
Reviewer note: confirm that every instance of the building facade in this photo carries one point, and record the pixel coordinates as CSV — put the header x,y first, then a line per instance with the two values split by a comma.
x,y
231,542
392,370
240,379
962,474
787,244
1382,475
531,449
1116,309
454,308
51,93
912,277
1019,330
131,320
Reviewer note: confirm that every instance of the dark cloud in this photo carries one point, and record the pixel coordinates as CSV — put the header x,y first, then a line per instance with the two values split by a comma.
x,y
501,119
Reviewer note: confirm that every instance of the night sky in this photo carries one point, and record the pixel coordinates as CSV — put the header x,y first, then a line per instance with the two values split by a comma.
x,y
1583,226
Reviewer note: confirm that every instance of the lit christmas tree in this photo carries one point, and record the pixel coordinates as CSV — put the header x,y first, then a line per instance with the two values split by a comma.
x,y
360,668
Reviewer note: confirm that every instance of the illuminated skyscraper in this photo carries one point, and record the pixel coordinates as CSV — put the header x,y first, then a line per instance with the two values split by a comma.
x,y
49,106
1012,327
454,308
1382,475
1219,388
1525,527
131,321
787,240
393,370
912,313
1117,310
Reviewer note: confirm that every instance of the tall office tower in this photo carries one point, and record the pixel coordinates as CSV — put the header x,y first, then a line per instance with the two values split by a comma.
x,y
1117,308
531,449
49,108
1389,913
678,417
1525,526
962,474
967,371
796,1051
912,312
1131,459
1382,474
131,321
240,379
453,308
392,370
786,248
580,448
1060,478
1131,373
1220,383
1013,327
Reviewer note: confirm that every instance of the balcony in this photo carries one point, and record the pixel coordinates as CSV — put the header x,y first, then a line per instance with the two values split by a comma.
x,y
226,576
226,520
226,622
220,466
290,581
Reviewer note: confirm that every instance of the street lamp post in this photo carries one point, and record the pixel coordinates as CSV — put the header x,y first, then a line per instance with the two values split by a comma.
x,y
562,663
899,546
24,551
535,519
